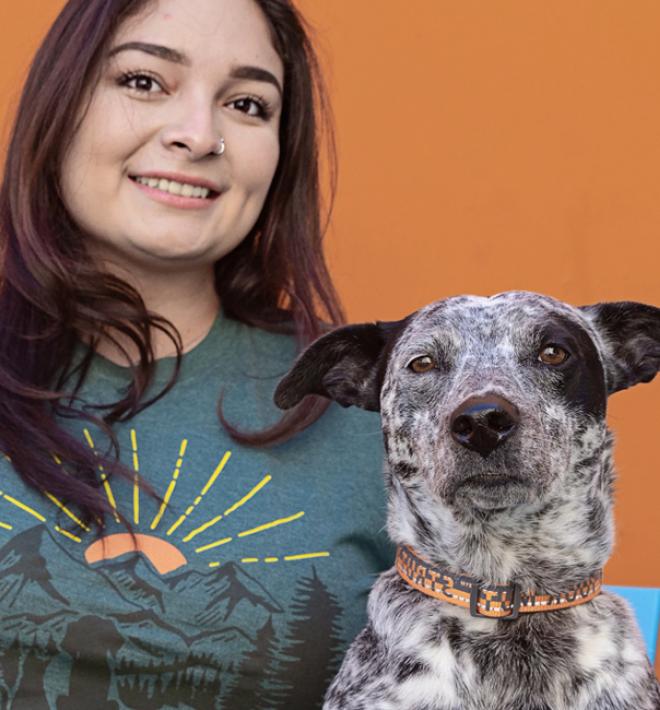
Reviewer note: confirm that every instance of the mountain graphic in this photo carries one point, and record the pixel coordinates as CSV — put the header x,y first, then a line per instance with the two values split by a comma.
x,y
224,590
37,630
185,606
127,576
24,575
226,595
49,578
158,641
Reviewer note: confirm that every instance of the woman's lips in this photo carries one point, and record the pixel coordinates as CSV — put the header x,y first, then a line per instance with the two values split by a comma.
x,y
179,201
178,177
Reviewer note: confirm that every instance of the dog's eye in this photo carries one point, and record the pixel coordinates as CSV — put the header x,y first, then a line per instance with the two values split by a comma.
x,y
553,355
422,364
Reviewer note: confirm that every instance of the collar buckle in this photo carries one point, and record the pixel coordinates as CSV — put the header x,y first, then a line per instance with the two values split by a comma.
x,y
515,603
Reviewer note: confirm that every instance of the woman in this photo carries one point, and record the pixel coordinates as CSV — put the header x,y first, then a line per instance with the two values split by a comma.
x,y
162,248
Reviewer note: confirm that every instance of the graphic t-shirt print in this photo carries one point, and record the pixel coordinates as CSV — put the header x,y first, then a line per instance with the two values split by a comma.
x,y
204,603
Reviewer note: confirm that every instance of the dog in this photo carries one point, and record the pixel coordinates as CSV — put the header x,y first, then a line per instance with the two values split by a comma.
x,y
500,480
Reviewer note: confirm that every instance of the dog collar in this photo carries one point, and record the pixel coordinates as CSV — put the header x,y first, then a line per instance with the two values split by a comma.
x,y
497,602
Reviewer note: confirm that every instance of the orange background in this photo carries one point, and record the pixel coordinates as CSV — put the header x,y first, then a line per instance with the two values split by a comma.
x,y
488,146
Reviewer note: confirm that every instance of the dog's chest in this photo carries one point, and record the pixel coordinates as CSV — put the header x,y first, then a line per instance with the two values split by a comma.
x,y
454,662
436,657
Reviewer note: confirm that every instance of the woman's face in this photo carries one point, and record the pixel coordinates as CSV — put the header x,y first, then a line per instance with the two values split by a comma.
x,y
141,175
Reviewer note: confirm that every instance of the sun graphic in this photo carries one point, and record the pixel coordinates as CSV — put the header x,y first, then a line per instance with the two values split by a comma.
x,y
162,554
165,555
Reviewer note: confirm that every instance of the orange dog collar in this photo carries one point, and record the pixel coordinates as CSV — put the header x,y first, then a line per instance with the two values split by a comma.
x,y
497,601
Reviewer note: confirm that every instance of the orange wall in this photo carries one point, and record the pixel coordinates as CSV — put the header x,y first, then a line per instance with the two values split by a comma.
x,y
488,146
484,147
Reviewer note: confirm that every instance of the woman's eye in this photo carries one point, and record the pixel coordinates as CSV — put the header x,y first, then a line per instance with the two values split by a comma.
x,y
552,354
425,363
250,107
143,83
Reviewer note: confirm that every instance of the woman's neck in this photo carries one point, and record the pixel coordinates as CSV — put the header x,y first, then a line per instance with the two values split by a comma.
x,y
187,299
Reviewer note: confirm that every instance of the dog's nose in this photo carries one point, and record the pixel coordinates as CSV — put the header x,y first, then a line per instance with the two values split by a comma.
x,y
483,423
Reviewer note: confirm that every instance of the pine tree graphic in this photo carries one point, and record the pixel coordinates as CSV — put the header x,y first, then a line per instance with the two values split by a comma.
x,y
251,686
313,648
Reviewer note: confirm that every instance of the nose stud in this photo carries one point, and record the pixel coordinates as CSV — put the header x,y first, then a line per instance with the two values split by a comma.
x,y
481,424
220,147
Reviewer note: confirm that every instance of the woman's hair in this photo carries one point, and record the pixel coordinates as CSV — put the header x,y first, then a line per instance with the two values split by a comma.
x,y
52,296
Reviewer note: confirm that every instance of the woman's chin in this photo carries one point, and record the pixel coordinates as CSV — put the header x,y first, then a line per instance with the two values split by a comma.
x,y
164,252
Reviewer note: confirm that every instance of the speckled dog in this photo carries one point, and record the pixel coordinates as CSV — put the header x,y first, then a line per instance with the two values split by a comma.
x,y
500,483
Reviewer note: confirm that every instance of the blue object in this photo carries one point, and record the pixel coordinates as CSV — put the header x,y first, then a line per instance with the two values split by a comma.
x,y
646,603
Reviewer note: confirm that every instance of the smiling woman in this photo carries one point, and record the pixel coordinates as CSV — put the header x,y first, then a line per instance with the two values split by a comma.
x,y
160,113
162,250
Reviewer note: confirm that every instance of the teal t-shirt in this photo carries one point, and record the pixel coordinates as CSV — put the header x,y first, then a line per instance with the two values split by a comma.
x,y
241,586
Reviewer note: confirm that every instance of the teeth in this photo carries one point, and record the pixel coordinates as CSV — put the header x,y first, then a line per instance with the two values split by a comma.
x,y
174,187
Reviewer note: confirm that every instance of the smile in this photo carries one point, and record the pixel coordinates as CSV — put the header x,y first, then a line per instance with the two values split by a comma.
x,y
174,187
176,193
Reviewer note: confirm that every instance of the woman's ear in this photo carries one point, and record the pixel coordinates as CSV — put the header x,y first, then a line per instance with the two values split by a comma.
x,y
345,365
631,336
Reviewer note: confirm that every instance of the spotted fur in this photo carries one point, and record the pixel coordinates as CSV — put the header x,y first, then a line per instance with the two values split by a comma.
x,y
547,528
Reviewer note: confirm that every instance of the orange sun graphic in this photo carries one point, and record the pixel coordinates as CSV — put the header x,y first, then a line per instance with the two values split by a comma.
x,y
162,554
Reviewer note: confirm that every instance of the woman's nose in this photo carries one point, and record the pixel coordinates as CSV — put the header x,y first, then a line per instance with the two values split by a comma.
x,y
195,134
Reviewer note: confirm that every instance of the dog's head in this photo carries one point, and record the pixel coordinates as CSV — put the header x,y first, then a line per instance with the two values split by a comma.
x,y
487,404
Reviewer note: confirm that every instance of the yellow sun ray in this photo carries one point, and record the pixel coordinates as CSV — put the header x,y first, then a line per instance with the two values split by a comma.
x,y
202,493
285,558
306,556
252,531
265,480
201,528
40,517
136,479
271,524
170,489
66,533
104,477
22,506
67,512
217,543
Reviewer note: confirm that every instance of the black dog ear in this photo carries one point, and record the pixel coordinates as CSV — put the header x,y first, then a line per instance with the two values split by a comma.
x,y
631,335
343,365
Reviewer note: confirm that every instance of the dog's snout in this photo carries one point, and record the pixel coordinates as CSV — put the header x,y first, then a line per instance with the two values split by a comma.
x,y
481,424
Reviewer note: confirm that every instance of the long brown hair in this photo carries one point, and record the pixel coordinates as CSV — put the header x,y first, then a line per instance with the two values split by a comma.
x,y
52,296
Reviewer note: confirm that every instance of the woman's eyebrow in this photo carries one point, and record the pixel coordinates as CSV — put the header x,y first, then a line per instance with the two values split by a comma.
x,y
256,74
157,50
173,55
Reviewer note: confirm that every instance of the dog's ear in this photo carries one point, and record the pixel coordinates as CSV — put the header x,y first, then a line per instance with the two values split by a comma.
x,y
344,365
631,335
